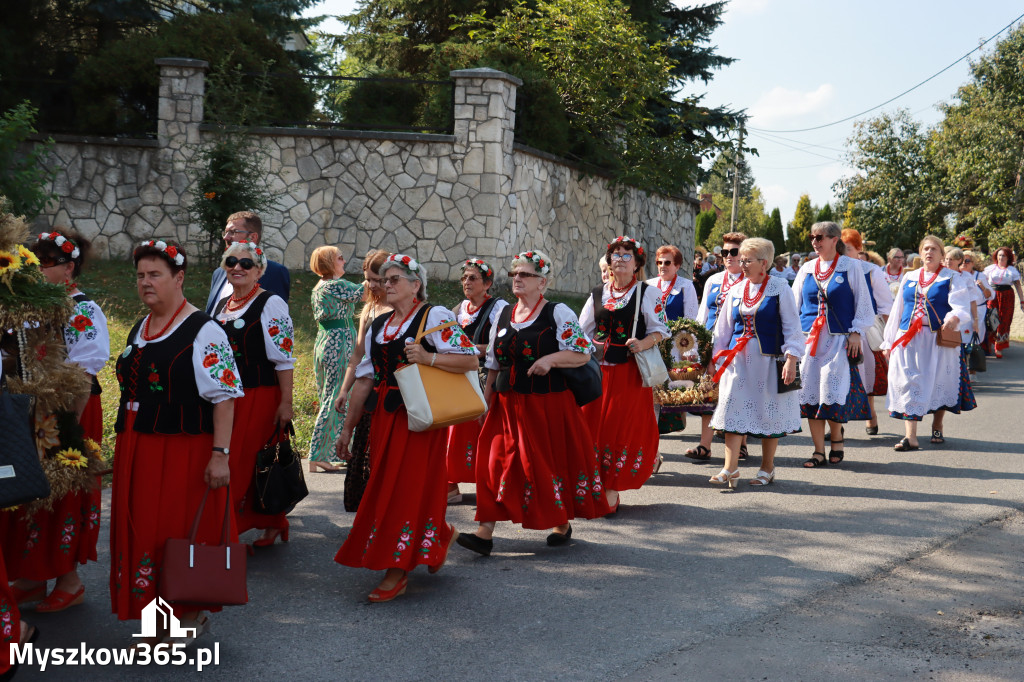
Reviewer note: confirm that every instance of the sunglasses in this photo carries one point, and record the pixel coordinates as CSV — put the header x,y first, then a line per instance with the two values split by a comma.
x,y
665,262
469,278
524,275
246,263
624,257
392,280
818,237
734,251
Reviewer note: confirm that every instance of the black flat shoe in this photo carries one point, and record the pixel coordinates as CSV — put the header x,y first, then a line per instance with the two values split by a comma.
x,y
815,462
558,539
871,430
905,446
476,543
835,456
937,438
743,452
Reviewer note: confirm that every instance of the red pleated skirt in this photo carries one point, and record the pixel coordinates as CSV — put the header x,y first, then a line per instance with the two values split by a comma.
x,y
881,386
400,522
158,485
536,464
461,454
624,427
10,618
51,543
253,427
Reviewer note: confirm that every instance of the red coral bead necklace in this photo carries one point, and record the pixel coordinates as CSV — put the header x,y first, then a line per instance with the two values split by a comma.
x,y
388,338
533,314
145,326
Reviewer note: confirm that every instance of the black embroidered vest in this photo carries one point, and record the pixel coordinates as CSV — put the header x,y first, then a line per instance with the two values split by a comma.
x,y
247,343
96,389
161,379
516,351
388,357
482,323
614,326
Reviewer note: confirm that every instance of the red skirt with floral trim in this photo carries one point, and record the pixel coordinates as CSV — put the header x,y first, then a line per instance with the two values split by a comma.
x,y
158,485
624,427
461,454
10,618
400,522
253,427
51,543
536,463
1005,303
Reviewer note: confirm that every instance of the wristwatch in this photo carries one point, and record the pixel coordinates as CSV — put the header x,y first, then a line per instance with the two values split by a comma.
x,y
224,450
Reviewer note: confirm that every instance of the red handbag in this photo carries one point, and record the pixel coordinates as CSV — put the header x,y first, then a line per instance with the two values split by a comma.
x,y
205,575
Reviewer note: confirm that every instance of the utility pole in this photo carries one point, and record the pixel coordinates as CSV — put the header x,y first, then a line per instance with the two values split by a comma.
x,y
736,183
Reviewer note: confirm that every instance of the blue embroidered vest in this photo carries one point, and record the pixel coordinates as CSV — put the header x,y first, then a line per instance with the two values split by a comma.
x,y
937,305
840,309
712,293
767,325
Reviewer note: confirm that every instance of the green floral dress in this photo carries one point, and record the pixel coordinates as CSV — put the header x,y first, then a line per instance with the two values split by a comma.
x,y
334,304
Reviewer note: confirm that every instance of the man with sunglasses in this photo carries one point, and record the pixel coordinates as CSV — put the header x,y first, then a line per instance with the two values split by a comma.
x,y
247,226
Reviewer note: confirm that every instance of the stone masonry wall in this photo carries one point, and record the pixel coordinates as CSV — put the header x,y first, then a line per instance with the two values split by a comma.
x,y
439,198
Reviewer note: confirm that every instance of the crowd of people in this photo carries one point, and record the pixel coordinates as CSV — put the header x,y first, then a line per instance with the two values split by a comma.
x,y
202,392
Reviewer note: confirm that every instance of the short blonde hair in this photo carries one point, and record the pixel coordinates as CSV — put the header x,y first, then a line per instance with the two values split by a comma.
x,y
759,248
954,252
934,240
322,260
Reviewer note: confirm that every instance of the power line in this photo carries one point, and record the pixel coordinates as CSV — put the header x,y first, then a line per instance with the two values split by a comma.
x,y
779,140
893,99
806,151
815,165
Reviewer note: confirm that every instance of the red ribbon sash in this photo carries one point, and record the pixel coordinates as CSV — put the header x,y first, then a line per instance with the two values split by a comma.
x,y
728,355
812,337
915,327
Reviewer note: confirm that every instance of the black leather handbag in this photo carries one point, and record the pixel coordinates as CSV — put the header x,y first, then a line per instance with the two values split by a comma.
x,y
784,387
21,474
279,484
976,361
584,381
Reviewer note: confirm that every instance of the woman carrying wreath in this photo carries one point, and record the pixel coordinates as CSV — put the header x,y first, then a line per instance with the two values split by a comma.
x,y
835,308
623,424
535,460
1004,278
178,382
50,544
333,301
757,343
401,519
923,376
476,315
259,329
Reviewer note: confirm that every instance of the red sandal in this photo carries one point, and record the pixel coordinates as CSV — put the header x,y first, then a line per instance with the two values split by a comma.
x,y
60,600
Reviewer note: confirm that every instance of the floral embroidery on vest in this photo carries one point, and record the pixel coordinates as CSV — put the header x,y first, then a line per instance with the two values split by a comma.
x,y
154,379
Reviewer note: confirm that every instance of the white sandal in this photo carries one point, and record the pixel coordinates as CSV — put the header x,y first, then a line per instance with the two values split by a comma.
x,y
726,476
763,477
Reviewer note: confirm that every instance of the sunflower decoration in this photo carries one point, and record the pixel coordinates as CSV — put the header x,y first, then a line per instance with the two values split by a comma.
x,y
686,335
28,258
92,449
684,342
25,295
72,457
47,432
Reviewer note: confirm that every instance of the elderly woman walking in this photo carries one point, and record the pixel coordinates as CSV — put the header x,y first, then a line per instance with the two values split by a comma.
x,y
758,343
925,377
259,328
624,316
401,519
835,309
333,300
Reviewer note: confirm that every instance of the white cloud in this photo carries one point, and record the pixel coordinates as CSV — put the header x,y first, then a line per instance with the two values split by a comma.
x,y
780,104
746,7
777,196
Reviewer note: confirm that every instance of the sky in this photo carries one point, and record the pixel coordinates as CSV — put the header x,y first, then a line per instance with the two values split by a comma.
x,y
807,63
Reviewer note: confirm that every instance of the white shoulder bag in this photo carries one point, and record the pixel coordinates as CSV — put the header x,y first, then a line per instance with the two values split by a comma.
x,y
649,362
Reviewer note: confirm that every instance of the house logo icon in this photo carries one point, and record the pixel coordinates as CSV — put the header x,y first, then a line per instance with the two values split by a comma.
x,y
159,618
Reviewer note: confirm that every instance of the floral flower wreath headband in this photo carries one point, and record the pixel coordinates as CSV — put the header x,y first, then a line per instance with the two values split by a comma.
x,y
543,266
408,263
64,244
626,241
172,252
480,265
255,251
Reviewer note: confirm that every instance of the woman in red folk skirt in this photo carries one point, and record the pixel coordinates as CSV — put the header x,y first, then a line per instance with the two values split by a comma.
x,y
624,426
401,519
259,328
178,384
536,464
50,545
1004,278
476,315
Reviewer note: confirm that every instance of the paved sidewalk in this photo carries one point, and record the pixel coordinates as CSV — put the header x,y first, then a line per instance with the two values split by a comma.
x,y
831,571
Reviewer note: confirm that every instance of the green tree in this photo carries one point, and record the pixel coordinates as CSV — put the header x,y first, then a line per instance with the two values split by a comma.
x,y
705,224
773,231
824,215
799,230
893,195
23,177
722,172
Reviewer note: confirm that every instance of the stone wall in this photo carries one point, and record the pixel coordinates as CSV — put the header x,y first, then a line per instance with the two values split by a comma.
x,y
440,198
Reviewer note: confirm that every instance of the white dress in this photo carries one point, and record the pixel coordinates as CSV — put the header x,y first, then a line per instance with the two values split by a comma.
x,y
882,298
748,397
923,376
825,377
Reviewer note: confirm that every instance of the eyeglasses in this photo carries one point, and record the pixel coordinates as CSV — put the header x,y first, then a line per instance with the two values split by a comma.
x,y
666,262
392,280
524,275
747,261
228,233
246,263
734,251
624,257
469,278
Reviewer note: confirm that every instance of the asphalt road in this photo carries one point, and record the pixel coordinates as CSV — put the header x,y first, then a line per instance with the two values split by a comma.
x,y
828,572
